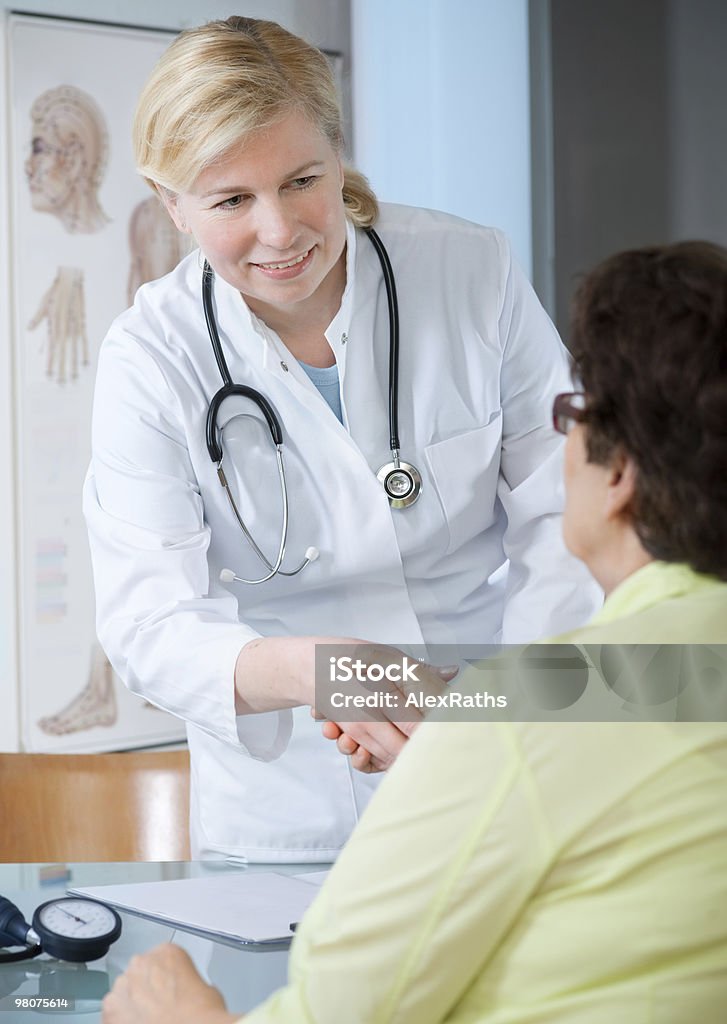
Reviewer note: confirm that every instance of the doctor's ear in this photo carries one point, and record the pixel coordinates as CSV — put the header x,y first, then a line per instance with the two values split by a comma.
x,y
171,203
621,486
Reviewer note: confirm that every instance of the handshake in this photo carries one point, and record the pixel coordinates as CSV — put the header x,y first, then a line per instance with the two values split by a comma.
x,y
371,698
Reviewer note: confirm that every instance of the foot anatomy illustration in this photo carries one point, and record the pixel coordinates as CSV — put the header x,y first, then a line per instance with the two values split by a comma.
x,y
95,705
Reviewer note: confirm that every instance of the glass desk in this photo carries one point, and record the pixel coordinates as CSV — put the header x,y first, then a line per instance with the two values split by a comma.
x,y
245,976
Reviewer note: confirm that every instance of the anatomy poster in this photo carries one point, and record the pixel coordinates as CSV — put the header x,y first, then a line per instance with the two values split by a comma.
x,y
86,232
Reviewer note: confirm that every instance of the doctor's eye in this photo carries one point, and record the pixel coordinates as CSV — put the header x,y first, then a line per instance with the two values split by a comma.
x,y
299,184
231,203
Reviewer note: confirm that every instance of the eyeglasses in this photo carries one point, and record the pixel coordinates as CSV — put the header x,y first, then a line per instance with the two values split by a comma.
x,y
569,408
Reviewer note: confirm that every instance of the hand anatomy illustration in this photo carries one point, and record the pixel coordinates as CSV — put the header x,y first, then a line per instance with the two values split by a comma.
x,y
68,158
63,307
156,245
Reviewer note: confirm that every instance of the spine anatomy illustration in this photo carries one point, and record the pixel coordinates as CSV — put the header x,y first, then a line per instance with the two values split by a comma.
x,y
155,244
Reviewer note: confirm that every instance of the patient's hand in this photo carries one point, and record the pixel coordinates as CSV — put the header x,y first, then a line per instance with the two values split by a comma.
x,y
163,987
361,758
349,742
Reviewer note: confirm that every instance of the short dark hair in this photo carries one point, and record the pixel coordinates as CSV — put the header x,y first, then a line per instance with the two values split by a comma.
x,y
649,340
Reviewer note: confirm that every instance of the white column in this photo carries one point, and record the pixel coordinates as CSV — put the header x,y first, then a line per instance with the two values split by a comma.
x,y
441,107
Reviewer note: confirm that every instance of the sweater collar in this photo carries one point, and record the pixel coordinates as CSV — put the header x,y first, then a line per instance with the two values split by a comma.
x,y
650,585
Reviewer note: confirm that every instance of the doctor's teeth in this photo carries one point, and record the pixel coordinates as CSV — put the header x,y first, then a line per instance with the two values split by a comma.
x,y
283,266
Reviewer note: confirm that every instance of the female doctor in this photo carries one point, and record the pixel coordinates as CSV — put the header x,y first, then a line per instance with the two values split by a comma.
x,y
274,341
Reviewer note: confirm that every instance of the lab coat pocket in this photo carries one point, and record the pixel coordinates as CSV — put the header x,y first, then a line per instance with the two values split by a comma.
x,y
464,470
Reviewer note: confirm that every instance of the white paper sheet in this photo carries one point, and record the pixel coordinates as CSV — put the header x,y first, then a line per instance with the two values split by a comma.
x,y
316,878
247,908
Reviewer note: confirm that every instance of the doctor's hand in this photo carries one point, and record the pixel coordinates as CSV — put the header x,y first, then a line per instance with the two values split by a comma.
x,y
163,987
280,672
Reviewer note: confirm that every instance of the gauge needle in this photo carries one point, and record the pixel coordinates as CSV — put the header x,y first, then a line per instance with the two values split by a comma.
x,y
69,914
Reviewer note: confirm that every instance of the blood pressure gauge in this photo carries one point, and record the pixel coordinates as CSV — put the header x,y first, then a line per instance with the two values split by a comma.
x,y
71,928
76,929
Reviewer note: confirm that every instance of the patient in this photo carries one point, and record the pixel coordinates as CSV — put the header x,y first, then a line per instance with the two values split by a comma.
x,y
569,872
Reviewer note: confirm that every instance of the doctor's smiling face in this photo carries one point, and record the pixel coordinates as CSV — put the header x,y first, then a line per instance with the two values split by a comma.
x,y
269,217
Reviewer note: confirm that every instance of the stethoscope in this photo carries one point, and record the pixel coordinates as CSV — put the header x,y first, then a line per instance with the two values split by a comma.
x,y
401,481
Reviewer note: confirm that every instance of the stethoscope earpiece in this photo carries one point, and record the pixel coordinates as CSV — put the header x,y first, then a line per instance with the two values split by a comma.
x,y
228,576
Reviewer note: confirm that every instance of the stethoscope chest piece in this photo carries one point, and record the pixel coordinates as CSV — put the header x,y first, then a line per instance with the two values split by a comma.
x,y
402,483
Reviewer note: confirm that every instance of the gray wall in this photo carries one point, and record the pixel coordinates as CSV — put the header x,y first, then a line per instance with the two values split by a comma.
x,y
639,142
610,132
698,143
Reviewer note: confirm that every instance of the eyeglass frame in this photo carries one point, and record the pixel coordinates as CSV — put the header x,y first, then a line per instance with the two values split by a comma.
x,y
565,414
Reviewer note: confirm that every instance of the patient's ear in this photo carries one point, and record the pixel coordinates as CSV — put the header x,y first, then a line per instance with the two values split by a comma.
x,y
621,486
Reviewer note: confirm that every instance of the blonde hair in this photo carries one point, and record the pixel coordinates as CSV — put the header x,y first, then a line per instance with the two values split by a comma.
x,y
221,82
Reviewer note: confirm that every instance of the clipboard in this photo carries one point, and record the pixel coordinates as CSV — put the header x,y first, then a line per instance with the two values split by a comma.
x,y
245,909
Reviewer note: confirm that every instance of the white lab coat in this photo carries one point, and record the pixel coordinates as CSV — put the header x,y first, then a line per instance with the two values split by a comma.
x,y
479,366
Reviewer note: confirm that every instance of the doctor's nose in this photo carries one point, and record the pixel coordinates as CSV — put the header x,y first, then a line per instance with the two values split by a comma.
x,y
277,227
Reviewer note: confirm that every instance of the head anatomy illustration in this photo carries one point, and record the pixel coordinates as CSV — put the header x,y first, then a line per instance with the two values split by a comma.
x,y
68,158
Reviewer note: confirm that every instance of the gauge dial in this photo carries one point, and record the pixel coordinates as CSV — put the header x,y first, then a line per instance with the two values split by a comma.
x,y
76,929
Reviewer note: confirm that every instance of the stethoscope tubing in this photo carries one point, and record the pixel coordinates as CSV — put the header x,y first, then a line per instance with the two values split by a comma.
x,y
393,303
392,475
228,388
208,277
213,443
